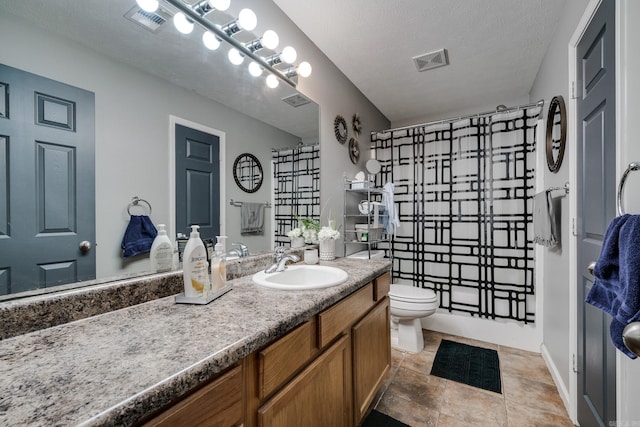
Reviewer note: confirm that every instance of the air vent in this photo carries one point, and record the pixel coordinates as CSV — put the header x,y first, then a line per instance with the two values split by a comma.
x,y
431,60
296,100
151,21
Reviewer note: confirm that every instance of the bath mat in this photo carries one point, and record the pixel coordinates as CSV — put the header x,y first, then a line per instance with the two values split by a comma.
x,y
378,419
467,364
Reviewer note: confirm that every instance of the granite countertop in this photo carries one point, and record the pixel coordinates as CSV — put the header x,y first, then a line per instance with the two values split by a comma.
x,y
117,367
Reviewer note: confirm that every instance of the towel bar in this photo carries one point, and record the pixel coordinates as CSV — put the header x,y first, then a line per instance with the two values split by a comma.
x,y
564,188
239,204
135,201
633,166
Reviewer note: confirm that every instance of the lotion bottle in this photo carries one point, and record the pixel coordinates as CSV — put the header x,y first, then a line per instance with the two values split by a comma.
x,y
218,266
195,267
161,251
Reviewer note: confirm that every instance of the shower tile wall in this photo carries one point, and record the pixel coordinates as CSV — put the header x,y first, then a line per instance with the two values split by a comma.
x,y
464,191
296,188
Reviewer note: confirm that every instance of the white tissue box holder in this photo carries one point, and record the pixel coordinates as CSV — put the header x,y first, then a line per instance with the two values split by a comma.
x,y
182,299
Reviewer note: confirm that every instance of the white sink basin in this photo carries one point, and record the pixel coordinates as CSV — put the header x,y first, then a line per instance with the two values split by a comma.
x,y
301,277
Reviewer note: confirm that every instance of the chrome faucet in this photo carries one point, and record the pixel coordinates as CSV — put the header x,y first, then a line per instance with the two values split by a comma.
x,y
280,260
244,249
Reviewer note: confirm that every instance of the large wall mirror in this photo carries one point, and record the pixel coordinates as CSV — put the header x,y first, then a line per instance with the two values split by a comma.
x,y
140,79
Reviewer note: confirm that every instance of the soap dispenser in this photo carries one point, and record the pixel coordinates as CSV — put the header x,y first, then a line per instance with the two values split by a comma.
x,y
195,267
218,266
161,251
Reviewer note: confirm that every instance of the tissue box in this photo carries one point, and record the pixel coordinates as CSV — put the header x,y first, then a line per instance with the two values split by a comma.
x,y
359,185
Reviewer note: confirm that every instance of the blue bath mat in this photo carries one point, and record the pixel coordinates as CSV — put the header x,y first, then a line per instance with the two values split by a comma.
x,y
467,364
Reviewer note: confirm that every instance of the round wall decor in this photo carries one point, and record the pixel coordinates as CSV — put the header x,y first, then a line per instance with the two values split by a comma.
x,y
354,150
247,171
356,124
340,129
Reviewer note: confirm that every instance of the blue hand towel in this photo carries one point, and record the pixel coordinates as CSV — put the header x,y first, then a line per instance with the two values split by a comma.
x,y
616,289
138,236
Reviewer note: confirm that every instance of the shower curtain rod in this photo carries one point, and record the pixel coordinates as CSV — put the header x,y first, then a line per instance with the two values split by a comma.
x,y
453,119
313,144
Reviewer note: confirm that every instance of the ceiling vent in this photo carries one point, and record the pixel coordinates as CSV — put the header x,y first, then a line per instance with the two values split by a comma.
x,y
151,21
431,60
296,100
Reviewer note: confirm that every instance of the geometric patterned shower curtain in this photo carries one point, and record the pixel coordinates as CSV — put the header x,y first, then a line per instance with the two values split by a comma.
x,y
296,189
464,192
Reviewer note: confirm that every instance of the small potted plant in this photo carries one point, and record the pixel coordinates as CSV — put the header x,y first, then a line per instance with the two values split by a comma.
x,y
327,237
305,232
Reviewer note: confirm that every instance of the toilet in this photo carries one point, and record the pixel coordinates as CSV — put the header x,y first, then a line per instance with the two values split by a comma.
x,y
408,304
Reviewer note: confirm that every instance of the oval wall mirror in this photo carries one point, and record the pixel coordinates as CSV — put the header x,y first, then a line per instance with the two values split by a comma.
x,y
556,133
247,171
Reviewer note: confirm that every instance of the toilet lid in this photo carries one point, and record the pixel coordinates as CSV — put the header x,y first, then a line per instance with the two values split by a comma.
x,y
411,293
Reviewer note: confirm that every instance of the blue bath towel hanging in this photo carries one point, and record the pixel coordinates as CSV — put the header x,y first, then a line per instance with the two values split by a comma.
x,y
616,289
138,236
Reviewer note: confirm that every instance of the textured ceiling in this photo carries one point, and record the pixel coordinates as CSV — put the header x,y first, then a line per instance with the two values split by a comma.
x,y
495,48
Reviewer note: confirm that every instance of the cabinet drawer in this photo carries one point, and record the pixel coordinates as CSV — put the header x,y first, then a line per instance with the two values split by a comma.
x,y
217,404
381,286
279,361
342,315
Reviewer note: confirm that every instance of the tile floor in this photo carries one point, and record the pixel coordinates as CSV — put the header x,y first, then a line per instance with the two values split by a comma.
x,y
529,396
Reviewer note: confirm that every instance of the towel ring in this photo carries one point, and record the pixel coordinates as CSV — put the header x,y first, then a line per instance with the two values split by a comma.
x,y
633,166
135,202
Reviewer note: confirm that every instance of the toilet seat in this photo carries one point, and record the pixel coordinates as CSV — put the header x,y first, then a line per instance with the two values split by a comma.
x,y
411,294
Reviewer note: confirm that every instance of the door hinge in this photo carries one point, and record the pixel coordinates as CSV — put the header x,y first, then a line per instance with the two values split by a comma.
x,y
576,89
574,367
573,226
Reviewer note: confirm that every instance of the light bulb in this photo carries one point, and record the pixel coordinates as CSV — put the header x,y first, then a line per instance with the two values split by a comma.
x,y
210,40
270,39
182,24
304,69
289,55
220,4
247,20
148,5
235,57
255,69
272,81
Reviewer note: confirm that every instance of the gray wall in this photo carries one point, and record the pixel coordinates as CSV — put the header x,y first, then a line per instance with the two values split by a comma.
x,y
132,135
552,80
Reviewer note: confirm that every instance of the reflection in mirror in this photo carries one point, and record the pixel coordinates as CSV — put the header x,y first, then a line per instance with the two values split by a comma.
x,y
556,133
247,172
141,78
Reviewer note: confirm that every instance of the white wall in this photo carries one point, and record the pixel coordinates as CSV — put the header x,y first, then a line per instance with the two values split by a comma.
x,y
552,80
132,135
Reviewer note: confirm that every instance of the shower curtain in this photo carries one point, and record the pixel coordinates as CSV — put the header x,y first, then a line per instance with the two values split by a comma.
x,y
464,191
296,188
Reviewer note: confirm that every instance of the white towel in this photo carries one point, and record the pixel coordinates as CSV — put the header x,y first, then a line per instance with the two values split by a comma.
x,y
391,222
544,223
252,218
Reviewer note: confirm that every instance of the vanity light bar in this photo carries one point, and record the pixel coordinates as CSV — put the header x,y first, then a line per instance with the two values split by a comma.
x,y
193,15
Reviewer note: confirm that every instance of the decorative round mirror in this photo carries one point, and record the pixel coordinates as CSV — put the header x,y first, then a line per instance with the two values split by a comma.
x,y
340,129
556,133
247,171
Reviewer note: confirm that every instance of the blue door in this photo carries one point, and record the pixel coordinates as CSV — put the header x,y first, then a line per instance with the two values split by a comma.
x,y
47,182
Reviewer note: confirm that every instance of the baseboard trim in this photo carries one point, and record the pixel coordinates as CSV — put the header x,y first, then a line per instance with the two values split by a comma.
x,y
557,379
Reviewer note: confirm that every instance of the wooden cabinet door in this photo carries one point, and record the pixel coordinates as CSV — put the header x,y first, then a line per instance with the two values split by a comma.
x,y
319,396
371,356
217,404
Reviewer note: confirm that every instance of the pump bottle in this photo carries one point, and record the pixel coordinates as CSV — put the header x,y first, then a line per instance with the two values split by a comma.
x,y
195,267
218,266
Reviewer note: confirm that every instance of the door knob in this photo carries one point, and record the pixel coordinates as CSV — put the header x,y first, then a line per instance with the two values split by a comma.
x,y
591,267
85,246
631,337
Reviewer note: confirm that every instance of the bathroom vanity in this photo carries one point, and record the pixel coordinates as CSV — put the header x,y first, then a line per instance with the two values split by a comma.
x,y
256,356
